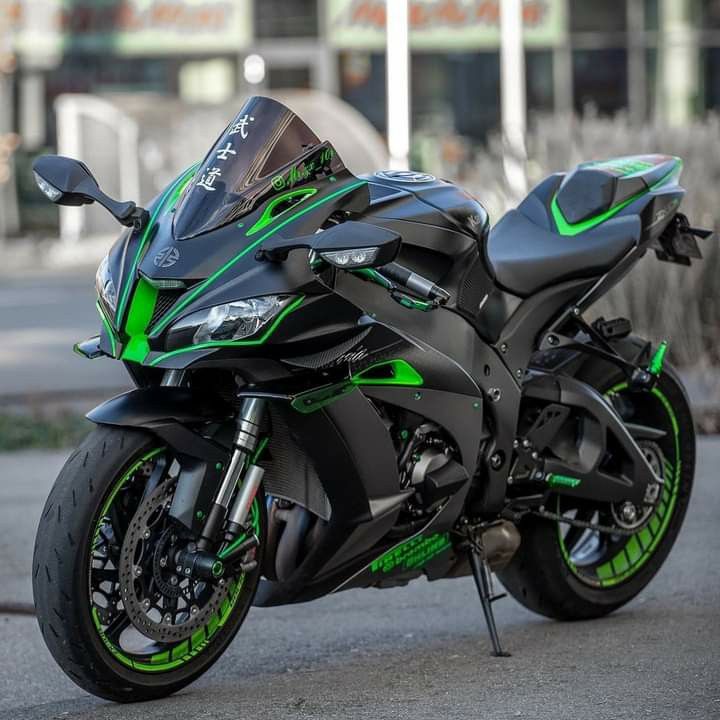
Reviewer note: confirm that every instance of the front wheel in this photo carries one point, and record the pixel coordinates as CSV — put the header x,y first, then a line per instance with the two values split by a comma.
x,y
570,573
115,613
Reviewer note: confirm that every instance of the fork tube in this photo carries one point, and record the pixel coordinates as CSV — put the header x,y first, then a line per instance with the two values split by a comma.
x,y
246,439
173,378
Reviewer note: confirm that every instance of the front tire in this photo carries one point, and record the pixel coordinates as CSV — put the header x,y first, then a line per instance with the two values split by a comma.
x,y
76,528
567,576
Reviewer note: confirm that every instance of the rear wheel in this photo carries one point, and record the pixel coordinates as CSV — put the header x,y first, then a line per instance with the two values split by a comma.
x,y
115,613
568,572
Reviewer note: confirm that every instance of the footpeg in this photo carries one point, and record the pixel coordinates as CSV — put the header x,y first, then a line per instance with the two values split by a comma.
x,y
483,581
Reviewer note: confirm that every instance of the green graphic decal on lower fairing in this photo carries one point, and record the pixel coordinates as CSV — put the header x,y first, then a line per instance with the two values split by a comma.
x,y
413,554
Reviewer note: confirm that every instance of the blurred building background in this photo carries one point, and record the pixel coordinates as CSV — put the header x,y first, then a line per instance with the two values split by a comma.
x,y
651,60
140,88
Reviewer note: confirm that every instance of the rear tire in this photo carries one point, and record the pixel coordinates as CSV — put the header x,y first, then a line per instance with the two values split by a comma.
x,y
66,538
543,577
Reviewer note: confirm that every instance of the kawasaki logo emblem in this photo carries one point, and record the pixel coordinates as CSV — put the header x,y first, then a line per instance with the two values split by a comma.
x,y
167,257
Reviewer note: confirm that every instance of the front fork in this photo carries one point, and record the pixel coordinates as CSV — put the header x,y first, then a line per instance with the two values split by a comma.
x,y
241,473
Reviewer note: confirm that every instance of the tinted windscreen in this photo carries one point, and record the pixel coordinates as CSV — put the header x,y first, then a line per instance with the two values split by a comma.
x,y
239,170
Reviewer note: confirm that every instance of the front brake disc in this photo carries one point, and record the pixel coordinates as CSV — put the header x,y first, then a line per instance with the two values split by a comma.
x,y
161,603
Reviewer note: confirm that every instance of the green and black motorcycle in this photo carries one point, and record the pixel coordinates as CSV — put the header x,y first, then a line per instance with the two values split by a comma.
x,y
349,382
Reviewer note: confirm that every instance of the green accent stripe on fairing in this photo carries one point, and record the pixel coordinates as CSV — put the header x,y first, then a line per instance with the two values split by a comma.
x,y
139,315
401,373
130,275
108,328
186,650
185,179
640,547
201,287
294,305
566,228
267,217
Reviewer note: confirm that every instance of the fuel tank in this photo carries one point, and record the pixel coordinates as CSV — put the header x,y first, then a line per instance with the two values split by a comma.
x,y
444,231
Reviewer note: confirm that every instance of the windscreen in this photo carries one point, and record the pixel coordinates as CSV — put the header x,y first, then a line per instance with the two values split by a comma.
x,y
242,168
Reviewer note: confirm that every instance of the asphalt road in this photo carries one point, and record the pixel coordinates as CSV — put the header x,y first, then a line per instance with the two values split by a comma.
x,y
414,652
42,314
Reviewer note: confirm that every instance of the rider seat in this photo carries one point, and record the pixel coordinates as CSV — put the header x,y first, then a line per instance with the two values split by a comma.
x,y
567,228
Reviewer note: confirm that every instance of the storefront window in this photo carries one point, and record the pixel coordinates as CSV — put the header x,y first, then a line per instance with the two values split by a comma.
x,y
280,78
711,57
286,18
456,93
362,84
600,79
539,80
652,17
710,10
97,73
605,16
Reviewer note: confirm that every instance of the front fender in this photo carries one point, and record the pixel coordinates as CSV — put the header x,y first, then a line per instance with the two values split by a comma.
x,y
176,416
169,413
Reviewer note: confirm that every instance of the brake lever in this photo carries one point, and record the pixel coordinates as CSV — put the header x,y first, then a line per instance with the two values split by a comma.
x,y
407,301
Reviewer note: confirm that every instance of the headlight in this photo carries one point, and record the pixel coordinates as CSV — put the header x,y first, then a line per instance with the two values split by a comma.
x,y
233,321
104,284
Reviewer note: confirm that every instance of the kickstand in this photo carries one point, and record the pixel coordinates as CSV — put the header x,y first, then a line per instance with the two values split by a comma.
x,y
483,582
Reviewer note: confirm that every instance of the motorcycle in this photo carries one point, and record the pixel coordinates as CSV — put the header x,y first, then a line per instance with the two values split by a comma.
x,y
351,382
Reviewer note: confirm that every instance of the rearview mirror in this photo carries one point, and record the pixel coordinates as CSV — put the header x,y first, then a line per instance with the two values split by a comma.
x,y
350,245
65,181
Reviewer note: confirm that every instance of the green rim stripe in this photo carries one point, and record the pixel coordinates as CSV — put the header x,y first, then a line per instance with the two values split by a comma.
x,y
186,650
665,512
108,328
294,305
566,228
640,547
187,299
143,240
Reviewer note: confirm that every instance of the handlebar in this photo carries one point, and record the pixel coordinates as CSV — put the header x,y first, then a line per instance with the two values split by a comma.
x,y
393,276
415,283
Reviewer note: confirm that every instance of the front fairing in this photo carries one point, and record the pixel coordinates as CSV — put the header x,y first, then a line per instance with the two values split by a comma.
x,y
160,279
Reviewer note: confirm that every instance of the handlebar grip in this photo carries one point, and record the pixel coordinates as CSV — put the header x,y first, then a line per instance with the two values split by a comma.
x,y
415,283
